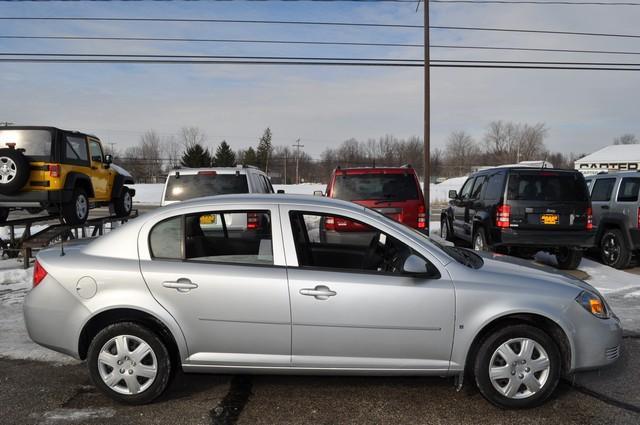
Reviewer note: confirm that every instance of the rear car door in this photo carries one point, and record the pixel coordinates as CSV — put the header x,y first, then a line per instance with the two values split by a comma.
x,y
601,196
626,203
351,312
460,207
547,199
226,288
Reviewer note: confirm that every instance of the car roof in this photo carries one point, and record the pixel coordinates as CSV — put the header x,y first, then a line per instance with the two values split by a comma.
x,y
44,127
615,174
375,170
523,168
242,169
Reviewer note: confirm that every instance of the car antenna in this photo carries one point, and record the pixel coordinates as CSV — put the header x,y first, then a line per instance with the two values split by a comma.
x,y
544,161
62,254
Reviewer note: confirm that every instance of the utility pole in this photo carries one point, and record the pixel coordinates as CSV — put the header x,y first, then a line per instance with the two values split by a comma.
x,y
286,155
427,116
6,123
297,146
111,145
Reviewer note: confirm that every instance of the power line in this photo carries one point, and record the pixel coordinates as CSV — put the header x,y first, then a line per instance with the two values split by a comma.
x,y
533,49
592,34
540,2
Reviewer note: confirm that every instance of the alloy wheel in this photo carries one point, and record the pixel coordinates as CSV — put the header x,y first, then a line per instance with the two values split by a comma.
x,y
81,206
610,249
519,368
127,201
8,170
127,364
478,243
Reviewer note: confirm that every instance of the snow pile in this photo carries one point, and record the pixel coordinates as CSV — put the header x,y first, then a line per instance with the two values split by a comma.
x,y
440,192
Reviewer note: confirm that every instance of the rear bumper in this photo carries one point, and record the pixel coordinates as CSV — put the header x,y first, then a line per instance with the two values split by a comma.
x,y
36,198
544,239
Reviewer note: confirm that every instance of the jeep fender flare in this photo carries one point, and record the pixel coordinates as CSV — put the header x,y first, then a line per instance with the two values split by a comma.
x,y
75,179
614,220
118,184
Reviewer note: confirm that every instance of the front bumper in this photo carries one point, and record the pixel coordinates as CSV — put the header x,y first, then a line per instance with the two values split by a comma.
x,y
543,239
597,344
36,198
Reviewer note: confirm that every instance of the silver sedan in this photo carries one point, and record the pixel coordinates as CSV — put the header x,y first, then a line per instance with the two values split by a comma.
x,y
170,291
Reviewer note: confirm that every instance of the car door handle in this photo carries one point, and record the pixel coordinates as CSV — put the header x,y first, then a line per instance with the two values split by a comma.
x,y
320,292
604,207
182,285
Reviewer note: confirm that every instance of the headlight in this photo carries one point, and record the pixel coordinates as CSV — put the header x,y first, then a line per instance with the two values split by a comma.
x,y
593,304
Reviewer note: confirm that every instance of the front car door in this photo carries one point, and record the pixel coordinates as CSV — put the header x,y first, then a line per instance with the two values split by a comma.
x,y
351,312
100,175
475,204
226,287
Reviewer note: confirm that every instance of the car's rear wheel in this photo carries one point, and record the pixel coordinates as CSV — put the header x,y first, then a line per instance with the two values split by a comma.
x,y
124,204
129,363
445,230
613,249
4,214
77,210
568,258
518,366
14,171
480,240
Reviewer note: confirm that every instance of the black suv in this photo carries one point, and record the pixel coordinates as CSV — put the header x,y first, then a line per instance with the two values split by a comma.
x,y
522,211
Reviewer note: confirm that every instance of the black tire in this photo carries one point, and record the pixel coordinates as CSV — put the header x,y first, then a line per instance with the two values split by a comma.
x,y
479,241
72,213
613,249
14,171
521,374
568,258
163,365
445,230
4,214
123,205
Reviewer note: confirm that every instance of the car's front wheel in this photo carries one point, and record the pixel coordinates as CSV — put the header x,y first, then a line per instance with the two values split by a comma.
x,y
518,366
129,363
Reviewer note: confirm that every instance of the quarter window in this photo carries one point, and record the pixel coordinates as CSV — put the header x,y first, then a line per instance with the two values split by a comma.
x,y
629,188
602,190
165,239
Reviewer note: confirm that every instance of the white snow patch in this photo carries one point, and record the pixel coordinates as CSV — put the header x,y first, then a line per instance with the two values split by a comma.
x,y
77,415
635,294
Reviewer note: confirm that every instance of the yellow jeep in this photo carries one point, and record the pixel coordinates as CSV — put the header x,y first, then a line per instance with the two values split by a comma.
x,y
64,172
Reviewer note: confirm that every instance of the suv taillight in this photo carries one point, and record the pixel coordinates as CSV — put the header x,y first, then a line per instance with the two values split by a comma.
x,y
422,217
252,221
503,216
39,273
590,218
54,170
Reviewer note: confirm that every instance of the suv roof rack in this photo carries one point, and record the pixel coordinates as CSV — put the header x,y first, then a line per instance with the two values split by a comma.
x,y
247,166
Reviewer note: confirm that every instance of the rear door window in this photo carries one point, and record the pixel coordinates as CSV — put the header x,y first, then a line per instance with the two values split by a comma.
x,y
629,188
602,190
547,186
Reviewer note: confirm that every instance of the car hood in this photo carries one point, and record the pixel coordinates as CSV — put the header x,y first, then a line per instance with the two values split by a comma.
x,y
507,265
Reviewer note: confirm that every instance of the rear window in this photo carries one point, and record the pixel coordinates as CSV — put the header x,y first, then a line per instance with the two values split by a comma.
x,y
31,142
358,187
547,186
198,185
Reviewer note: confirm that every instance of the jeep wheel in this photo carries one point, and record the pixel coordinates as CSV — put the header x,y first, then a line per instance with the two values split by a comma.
x,y
123,205
613,249
568,258
77,210
480,240
14,171
4,214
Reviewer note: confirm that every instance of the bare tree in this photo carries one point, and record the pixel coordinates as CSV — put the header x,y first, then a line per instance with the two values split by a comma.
x,y
172,150
190,136
530,145
151,153
626,139
461,151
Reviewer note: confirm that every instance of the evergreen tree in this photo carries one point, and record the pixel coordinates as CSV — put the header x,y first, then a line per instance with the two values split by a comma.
x,y
224,156
249,157
263,152
196,156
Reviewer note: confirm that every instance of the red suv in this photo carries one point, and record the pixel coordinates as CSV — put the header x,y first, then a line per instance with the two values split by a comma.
x,y
393,191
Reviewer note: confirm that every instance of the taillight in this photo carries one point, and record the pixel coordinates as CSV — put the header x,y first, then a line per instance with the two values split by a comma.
x,y
329,223
54,170
503,216
422,217
590,218
252,221
39,273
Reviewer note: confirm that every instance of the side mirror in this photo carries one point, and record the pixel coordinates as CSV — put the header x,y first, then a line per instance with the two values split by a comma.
x,y
414,265
108,159
280,191
318,193
453,194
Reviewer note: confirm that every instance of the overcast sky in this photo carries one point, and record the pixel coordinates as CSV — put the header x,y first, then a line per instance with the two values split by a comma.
x,y
322,106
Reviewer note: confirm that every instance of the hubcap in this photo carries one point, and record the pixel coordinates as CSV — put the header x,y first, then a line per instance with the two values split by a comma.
x,y
519,368
127,364
478,243
8,170
81,206
127,201
610,249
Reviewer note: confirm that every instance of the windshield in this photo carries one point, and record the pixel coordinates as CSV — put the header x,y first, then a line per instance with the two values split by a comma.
x,y
547,186
30,142
189,186
359,187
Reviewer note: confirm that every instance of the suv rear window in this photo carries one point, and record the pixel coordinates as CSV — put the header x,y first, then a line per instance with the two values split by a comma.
x,y
359,187
34,142
547,186
189,186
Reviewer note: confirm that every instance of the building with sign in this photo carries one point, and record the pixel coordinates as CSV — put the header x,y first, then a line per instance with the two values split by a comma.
x,y
610,159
